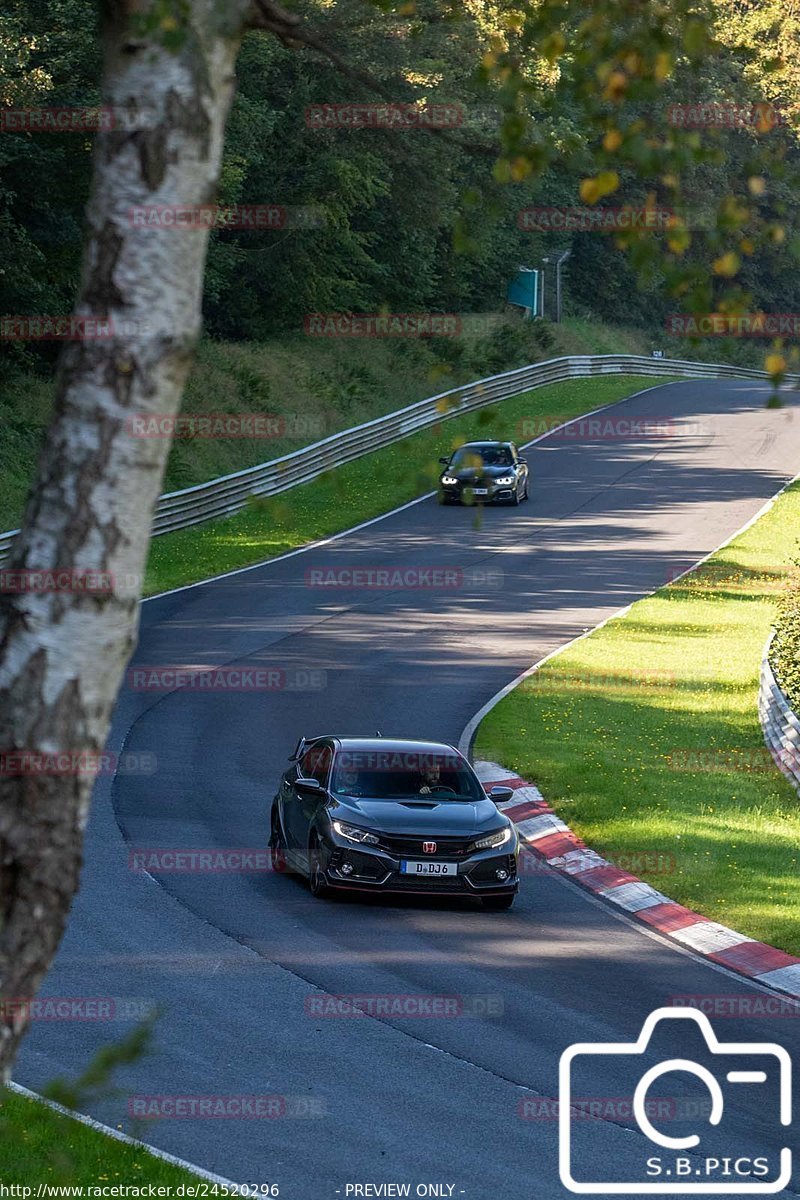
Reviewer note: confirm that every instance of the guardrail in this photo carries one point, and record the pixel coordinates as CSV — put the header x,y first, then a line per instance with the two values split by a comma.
x,y
230,493
780,724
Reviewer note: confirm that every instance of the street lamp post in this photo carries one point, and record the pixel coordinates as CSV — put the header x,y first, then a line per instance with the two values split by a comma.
x,y
562,258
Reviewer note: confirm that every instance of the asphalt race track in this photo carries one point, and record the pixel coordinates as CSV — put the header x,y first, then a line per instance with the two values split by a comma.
x,y
233,959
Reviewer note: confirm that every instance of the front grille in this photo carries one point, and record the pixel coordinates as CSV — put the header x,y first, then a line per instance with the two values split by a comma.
x,y
444,883
402,846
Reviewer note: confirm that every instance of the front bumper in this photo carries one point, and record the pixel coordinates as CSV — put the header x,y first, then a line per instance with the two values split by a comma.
x,y
353,866
466,494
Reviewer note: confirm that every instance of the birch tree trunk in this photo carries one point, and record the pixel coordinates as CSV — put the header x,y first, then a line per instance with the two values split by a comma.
x,y
63,652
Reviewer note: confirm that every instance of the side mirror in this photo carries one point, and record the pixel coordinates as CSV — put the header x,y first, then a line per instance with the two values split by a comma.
x,y
309,787
444,461
501,794
523,462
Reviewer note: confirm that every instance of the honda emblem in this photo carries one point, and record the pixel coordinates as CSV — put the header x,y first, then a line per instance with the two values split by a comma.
x,y
429,847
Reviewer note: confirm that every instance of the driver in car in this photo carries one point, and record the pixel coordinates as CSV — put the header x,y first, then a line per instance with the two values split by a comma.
x,y
431,778
348,782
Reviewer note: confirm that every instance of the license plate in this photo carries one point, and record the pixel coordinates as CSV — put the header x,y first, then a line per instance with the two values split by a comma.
x,y
480,491
428,868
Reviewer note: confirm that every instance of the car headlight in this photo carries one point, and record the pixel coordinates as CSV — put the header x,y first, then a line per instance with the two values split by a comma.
x,y
493,840
449,480
505,480
354,834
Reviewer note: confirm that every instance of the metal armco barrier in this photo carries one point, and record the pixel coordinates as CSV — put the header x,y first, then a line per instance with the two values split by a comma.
x,y
780,724
230,493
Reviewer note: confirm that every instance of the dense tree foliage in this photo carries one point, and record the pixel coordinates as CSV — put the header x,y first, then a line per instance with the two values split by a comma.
x,y
560,106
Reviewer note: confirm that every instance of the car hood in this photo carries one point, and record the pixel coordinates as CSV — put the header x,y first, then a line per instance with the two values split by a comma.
x,y
445,818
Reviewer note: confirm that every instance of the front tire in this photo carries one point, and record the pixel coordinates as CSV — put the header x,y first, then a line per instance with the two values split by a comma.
x,y
316,877
277,847
498,903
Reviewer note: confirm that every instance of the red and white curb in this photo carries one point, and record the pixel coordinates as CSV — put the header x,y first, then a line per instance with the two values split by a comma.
x,y
545,835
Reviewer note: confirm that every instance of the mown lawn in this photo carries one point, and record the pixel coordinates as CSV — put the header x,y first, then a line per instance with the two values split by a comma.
x,y
645,738
367,487
39,1145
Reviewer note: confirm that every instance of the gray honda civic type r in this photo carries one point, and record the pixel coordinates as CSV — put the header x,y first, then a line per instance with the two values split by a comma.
x,y
382,815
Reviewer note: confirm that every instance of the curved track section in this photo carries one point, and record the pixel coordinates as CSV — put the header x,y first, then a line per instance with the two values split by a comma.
x,y
236,961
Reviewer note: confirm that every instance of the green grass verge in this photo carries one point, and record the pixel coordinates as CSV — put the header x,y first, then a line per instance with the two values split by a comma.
x,y
365,488
318,385
644,737
39,1145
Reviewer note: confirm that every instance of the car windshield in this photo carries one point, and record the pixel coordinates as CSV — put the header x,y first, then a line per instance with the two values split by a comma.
x,y
403,775
482,456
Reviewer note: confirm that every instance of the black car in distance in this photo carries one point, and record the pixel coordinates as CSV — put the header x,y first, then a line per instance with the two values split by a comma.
x,y
385,815
484,473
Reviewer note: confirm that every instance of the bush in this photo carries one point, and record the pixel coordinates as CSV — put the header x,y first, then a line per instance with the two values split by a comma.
x,y
784,653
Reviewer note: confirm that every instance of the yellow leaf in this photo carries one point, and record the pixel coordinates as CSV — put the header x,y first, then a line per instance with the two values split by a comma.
x,y
678,241
774,364
553,45
747,246
765,118
757,185
608,182
662,67
612,141
727,264
514,20
616,85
